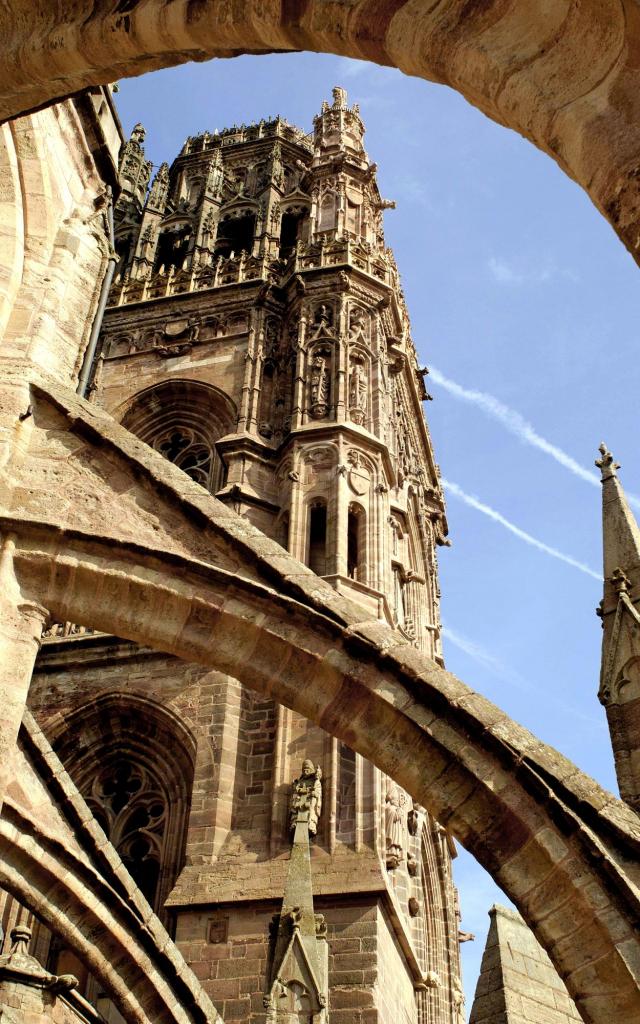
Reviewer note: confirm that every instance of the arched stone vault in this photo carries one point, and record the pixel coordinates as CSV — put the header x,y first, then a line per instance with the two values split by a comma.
x,y
563,74
177,570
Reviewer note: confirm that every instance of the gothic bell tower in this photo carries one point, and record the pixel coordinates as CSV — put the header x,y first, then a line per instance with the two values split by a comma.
x,y
257,336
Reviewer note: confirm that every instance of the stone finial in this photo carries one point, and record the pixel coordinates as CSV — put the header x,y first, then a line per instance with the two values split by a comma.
x,y
606,463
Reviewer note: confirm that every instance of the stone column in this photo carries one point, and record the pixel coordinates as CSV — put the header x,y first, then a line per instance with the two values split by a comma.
x,y
21,625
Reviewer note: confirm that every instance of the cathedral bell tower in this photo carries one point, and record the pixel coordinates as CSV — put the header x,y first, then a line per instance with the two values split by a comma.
x,y
257,336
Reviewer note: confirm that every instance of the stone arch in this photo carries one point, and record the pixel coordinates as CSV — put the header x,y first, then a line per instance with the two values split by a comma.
x,y
564,77
539,826
183,420
57,864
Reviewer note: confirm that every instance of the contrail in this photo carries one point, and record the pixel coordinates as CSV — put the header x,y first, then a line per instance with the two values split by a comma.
x,y
518,426
526,537
480,655
494,665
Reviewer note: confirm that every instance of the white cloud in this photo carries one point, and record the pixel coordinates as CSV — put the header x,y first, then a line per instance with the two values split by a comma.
x,y
505,273
481,656
517,425
497,517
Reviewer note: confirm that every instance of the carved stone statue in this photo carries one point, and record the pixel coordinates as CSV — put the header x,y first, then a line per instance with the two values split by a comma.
x,y
319,385
394,825
357,325
306,797
138,134
358,389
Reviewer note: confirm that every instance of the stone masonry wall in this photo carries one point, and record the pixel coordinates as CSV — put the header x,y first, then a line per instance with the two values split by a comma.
x,y
517,983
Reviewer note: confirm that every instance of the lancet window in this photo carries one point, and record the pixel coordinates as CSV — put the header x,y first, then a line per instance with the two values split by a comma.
x,y
356,543
235,235
327,216
173,248
186,449
130,803
132,761
291,231
317,541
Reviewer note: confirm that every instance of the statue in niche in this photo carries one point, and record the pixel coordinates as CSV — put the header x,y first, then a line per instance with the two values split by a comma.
x,y
357,325
321,323
306,797
394,825
358,388
319,385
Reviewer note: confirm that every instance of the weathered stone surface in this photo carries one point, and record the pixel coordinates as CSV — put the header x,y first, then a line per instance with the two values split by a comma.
x,y
223,599
562,75
517,983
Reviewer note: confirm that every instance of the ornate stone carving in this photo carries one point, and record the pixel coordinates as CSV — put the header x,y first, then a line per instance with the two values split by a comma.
x,y
306,797
394,825
160,188
358,390
320,383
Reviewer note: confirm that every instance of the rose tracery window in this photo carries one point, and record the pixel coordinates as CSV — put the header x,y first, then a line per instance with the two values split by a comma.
x,y
185,449
131,807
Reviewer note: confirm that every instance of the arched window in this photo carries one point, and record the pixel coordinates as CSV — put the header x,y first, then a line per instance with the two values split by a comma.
x,y
235,235
129,802
317,538
173,247
183,420
133,760
327,217
356,543
291,228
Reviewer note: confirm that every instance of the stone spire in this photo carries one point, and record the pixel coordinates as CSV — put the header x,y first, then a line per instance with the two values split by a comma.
x,y
517,981
135,170
297,979
620,667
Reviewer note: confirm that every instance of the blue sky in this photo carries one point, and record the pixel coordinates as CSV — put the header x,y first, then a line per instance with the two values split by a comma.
x,y
518,289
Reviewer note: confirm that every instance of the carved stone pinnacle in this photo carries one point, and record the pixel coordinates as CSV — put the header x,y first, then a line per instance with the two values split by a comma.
x,y
606,463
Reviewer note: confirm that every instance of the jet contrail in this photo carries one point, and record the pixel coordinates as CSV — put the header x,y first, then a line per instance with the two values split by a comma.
x,y
518,426
480,655
468,499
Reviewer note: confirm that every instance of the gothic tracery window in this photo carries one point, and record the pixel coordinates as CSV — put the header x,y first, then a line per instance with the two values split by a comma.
x,y
131,807
183,420
185,449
